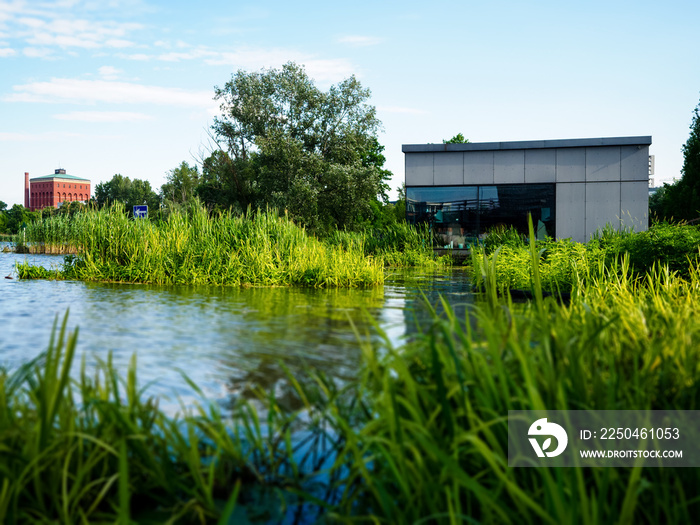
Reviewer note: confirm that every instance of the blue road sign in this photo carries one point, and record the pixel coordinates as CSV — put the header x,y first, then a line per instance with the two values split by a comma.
x,y
141,211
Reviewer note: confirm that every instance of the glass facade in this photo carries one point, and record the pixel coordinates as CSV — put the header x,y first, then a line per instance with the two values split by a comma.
x,y
459,213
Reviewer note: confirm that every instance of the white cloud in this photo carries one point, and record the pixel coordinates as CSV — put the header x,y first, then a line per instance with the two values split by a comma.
x,y
360,41
103,116
93,91
109,72
186,55
37,52
7,52
55,25
141,57
322,70
81,33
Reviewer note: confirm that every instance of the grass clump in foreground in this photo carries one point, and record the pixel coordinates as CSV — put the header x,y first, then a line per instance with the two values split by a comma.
x,y
421,437
192,247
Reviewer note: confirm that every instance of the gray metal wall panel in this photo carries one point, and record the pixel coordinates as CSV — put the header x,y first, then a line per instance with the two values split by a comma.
x,y
509,167
603,164
571,165
419,169
540,165
634,162
602,206
478,167
448,168
571,211
634,205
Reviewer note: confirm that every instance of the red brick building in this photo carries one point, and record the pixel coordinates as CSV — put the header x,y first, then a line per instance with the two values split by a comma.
x,y
52,190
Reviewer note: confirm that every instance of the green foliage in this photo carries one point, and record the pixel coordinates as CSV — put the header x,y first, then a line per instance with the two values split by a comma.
x,y
681,200
180,185
457,139
396,244
422,436
128,192
289,145
502,236
193,248
563,262
673,245
16,218
96,450
434,446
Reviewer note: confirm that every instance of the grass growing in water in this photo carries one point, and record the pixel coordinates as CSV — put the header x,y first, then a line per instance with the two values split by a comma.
x,y
192,248
420,438
564,264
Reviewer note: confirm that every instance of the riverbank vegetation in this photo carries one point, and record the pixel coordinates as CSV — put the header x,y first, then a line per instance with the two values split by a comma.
x,y
421,436
564,265
194,247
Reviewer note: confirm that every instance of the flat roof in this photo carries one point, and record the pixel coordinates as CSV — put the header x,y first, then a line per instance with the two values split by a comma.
x,y
59,176
528,144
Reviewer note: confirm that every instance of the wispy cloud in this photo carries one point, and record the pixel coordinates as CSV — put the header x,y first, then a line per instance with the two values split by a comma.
x,y
322,70
37,52
80,91
7,52
48,25
109,72
360,40
103,116
78,33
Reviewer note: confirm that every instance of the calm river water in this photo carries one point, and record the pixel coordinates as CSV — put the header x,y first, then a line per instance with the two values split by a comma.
x,y
224,338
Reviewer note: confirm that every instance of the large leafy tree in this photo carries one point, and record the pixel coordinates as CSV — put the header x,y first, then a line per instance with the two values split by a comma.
x,y
129,192
681,200
288,144
16,217
181,183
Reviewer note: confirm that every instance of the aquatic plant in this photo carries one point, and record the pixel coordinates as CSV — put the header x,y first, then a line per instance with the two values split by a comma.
x,y
261,248
420,437
562,262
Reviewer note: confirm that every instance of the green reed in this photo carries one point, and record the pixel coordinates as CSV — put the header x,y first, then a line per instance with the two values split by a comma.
x,y
562,262
433,447
421,437
261,248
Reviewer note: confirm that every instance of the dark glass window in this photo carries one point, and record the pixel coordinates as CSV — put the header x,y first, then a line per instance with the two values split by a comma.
x,y
469,211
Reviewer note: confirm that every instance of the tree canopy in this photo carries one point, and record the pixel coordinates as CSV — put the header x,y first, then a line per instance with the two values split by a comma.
x,y
681,200
286,143
181,184
127,191
457,139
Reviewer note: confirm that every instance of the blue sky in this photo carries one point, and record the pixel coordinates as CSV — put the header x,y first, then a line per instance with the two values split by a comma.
x,y
126,86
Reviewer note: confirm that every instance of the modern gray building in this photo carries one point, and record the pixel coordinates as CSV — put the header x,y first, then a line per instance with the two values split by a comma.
x,y
570,187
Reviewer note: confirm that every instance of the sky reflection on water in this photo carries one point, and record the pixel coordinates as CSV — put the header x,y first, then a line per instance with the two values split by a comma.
x,y
224,338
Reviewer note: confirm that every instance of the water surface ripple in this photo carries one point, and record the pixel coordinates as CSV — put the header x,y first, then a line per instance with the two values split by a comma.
x,y
224,338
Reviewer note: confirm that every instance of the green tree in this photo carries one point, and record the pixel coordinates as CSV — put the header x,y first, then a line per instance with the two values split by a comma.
x,y
287,144
17,217
127,191
181,183
457,139
681,200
